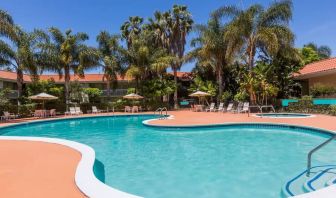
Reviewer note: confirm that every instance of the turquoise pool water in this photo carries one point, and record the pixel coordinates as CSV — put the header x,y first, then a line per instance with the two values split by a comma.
x,y
228,161
283,115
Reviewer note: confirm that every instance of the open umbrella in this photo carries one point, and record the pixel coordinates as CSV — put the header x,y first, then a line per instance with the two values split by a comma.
x,y
133,96
199,94
43,97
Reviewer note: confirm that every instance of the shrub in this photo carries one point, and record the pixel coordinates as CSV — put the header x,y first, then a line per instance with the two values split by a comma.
x,y
93,93
332,110
319,90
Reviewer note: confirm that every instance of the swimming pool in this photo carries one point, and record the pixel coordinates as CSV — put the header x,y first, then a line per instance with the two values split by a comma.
x,y
248,160
283,115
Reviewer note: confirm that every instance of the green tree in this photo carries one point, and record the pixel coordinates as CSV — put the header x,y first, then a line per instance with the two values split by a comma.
x,y
112,58
68,53
309,55
323,51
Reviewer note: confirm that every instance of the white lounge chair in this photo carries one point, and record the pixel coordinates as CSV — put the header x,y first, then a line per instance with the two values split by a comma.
x,y
211,108
78,110
128,109
245,108
52,112
239,107
229,107
135,109
8,116
72,111
220,107
95,110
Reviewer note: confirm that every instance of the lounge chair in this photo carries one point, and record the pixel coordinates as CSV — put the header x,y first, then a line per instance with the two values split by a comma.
x,y
239,107
135,109
220,107
8,116
211,107
78,110
38,113
128,109
229,107
52,112
72,111
95,110
245,108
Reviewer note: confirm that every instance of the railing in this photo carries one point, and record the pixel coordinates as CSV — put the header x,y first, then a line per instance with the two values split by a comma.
x,y
115,92
314,150
13,94
160,112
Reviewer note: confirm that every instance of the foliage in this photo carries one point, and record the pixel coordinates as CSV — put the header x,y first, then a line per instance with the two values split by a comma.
x,y
205,86
318,90
26,110
309,55
4,101
241,96
131,90
305,105
47,86
93,93
323,51
76,91
158,88
226,96
332,110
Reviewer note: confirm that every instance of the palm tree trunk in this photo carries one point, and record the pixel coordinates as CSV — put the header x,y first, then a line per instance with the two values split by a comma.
x,y
220,82
19,82
67,84
175,92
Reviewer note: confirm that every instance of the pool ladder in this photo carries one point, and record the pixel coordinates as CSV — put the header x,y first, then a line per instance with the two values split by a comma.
x,y
160,112
314,150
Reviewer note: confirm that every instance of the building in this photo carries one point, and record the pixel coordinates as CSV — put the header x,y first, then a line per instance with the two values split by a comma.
x,y
320,72
8,80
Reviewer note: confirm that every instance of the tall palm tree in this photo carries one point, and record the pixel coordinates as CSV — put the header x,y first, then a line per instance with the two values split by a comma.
x,y
112,58
260,30
21,54
131,28
68,53
6,25
214,48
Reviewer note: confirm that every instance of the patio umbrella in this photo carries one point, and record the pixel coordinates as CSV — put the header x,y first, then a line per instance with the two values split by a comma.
x,y
133,96
43,97
199,94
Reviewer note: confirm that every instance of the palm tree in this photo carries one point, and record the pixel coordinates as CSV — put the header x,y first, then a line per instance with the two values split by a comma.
x,y
21,55
214,48
259,29
111,58
131,28
67,53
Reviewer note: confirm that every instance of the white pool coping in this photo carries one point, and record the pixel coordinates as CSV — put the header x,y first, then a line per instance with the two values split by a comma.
x,y
85,179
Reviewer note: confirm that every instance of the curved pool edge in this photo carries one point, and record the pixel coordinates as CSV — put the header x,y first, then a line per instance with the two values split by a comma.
x,y
85,179
260,115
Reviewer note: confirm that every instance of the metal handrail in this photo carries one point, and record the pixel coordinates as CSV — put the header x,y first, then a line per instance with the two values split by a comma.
x,y
160,110
314,150
164,109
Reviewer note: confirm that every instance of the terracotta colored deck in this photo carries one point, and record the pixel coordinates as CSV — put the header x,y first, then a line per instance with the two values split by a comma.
x,y
37,170
182,118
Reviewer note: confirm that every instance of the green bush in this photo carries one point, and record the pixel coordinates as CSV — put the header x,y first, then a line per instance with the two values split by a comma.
x,y
332,110
319,90
93,93
26,110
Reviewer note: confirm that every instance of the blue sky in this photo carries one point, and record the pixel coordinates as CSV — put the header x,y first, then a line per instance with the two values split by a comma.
x,y
312,21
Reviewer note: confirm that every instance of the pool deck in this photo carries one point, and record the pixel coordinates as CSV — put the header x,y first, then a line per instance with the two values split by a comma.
x,y
47,170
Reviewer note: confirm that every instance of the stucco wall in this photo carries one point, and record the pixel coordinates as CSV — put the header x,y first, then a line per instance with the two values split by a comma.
x,y
327,80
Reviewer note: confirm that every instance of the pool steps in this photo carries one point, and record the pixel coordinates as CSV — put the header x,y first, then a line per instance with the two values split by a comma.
x,y
321,176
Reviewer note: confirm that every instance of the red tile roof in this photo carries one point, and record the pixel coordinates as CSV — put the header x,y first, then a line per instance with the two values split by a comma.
x,y
11,76
319,67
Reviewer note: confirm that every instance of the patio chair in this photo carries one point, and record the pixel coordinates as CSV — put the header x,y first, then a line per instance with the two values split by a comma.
x,y
211,107
239,107
245,108
229,107
38,113
8,116
128,109
135,109
95,110
72,111
52,112
220,107
78,110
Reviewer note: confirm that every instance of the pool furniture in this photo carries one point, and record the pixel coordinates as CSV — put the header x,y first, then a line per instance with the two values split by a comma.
x,y
78,110
128,109
245,108
220,107
135,109
211,107
199,108
52,112
229,107
239,108
95,110
8,116
72,111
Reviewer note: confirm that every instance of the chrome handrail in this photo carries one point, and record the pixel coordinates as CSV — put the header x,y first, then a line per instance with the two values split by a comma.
x,y
314,150
160,110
